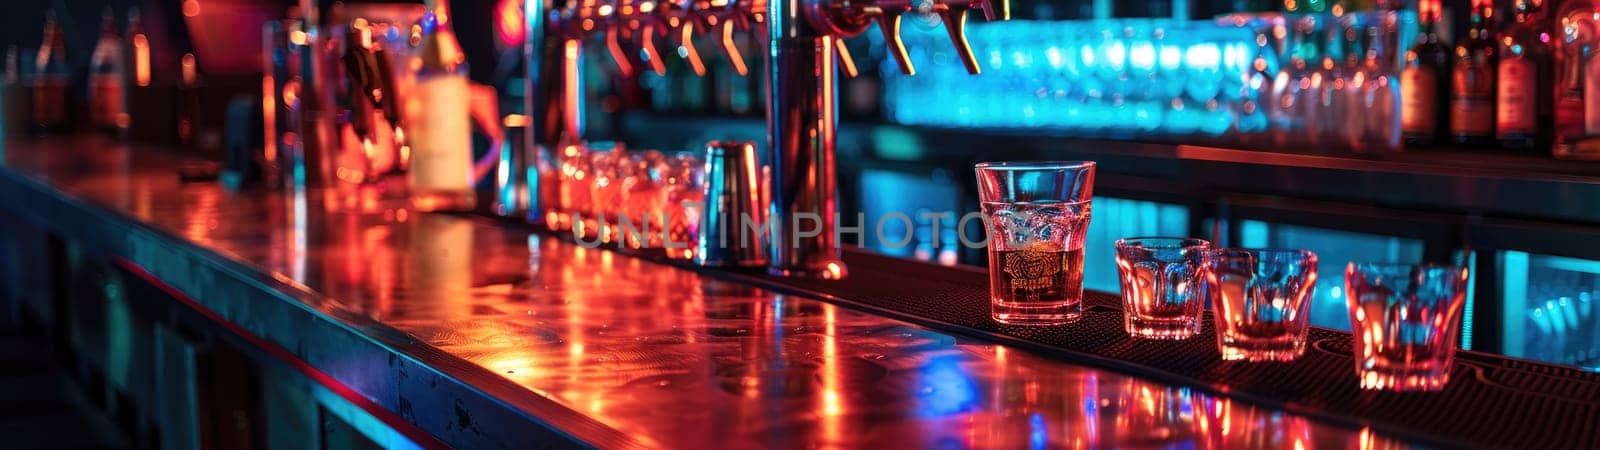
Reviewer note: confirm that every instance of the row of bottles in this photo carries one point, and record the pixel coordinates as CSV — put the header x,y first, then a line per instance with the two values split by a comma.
x,y
48,78
1521,87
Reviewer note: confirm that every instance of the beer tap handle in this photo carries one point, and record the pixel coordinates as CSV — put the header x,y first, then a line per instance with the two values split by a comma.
x,y
730,47
846,62
651,52
889,24
954,16
995,9
618,54
688,50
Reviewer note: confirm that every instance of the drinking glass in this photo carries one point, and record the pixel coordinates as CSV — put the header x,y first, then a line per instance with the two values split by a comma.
x,y
1405,319
685,186
1036,213
1163,285
1262,302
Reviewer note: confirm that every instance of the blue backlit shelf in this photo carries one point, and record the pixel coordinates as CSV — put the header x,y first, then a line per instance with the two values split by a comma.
x,y
1328,80
1523,185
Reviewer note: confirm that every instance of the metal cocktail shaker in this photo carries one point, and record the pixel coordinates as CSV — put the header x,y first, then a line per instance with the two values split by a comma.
x,y
732,223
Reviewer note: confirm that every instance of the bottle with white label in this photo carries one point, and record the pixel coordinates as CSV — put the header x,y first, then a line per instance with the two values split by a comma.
x,y
1523,98
1577,82
441,137
1425,81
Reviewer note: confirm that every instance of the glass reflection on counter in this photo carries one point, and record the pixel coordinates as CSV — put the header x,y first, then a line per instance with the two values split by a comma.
x,y
1100,410
440,266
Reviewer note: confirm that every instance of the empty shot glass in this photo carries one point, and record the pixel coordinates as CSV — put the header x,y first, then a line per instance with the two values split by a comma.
x,y
1163,285
1405,320
1036,214
1261,300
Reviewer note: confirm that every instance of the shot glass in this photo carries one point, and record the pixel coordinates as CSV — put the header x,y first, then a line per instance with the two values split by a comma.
x,y
1406,319
1036,214
1261,301
1163,285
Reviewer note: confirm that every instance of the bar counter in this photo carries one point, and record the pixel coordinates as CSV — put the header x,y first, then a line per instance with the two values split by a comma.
x,y
465,332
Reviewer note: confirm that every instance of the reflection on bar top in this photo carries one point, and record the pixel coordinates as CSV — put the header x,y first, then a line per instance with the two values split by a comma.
x,y
663,354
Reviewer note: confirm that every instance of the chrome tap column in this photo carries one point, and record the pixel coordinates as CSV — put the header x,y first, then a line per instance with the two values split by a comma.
x,y
534,150
802,113
801,116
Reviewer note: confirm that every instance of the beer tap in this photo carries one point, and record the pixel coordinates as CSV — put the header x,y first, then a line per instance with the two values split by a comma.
x,y
677,22
650,22
723,18
556,100
681,25
620,24
569,25
847,18
802,61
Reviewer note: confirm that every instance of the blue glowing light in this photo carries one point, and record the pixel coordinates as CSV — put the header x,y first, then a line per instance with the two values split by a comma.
x,y
1055,57
1126,74
1116,54
946,388
1171,57
1038,434
1143,56
1139,77
429,22
1202,57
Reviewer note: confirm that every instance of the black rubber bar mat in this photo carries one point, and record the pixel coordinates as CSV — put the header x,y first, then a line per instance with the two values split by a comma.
x,y
1491,401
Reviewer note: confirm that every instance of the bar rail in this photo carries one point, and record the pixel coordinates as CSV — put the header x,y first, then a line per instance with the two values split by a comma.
x,y
457,402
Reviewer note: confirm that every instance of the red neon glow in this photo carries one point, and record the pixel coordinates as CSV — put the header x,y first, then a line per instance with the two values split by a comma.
x,y
508,23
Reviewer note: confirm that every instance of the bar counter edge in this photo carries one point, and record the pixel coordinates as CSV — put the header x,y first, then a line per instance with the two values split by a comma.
x,y
453,400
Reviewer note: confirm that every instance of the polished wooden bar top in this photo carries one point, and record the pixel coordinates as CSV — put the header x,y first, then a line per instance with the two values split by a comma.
x,y
607,349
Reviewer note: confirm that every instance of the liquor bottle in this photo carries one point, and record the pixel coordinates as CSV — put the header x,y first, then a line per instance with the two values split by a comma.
x,y
1523,102
441,138
1472,97
1577,81
1423,83
108,101
51,79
